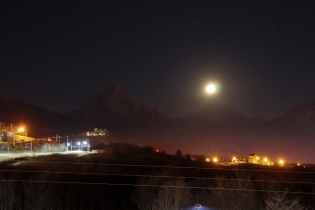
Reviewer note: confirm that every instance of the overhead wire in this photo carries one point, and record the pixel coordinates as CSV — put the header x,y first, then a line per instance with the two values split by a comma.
x,y
156,176
143,175
175,167
159,186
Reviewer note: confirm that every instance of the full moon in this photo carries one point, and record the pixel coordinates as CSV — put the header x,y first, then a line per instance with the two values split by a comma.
x,y
210,88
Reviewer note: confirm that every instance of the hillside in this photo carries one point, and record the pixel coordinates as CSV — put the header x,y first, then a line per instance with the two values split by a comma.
x,y
301,119
38,122
125,118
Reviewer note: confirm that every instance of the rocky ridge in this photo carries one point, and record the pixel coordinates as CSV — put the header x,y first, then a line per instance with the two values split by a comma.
x,y
214,130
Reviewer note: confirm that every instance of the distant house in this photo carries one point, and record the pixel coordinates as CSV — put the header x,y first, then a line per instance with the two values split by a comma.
x,y
97,132
6,134
239,160
254,158
257,159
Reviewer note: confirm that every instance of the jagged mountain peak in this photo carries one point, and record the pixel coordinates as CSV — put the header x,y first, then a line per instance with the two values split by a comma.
x,y
112,89
307,107
301,118
111,99
112,108
305,111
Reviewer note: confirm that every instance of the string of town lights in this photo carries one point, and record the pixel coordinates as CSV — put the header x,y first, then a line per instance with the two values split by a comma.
x,y
159,186
211,88
175,167
79,144
18,134
157,176
85,143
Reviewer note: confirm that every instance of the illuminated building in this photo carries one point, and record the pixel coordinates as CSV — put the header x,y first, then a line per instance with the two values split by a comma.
x,y
6,132
96,132
239,160
267,162
254,158
257,159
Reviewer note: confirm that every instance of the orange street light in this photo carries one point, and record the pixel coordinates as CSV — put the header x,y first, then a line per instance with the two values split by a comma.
x,y
281,162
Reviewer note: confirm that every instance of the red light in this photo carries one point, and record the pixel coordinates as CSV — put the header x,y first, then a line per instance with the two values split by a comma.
x,y
157,150
49,139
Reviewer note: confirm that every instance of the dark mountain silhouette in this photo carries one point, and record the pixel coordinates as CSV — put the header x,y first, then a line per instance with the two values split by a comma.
x,y
214,130
213,119
115,110
301,119
218,130
126,119
38,122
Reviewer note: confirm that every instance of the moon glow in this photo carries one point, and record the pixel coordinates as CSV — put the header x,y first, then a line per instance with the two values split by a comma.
x,y
210,88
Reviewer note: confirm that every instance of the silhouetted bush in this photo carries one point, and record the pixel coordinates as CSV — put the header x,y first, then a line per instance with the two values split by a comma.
x,y
178,153
187,157
147,150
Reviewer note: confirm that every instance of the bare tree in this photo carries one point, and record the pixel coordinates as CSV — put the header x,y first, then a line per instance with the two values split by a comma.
x,y
9,198
236,194
278,201
143,196
173,196
266,186
38,195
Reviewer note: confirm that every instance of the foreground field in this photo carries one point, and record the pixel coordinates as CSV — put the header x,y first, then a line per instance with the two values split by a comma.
x,y
127,177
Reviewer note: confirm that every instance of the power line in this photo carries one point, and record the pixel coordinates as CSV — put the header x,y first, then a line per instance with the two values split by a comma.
x,y
147,185
142,175
175,167
157,176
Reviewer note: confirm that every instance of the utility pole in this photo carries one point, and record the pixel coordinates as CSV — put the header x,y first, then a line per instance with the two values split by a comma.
x,y
13,135
67,143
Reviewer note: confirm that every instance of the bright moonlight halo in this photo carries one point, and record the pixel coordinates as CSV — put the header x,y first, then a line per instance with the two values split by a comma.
x,y
210,88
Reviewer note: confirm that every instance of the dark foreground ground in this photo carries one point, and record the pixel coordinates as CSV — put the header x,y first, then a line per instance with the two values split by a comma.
x,y
128,177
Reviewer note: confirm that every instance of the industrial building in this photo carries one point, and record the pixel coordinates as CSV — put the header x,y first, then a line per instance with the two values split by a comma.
x,y
258,159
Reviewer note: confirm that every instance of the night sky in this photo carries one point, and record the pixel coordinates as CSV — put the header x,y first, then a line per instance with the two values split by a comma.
x,y
57,54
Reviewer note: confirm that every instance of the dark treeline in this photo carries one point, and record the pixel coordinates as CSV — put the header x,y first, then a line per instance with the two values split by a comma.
x,y
40,185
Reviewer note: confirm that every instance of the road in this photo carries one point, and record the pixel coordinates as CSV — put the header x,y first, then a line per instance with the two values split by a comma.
x,y
11,156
